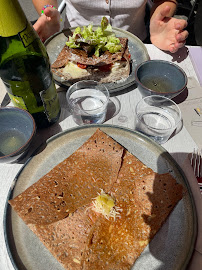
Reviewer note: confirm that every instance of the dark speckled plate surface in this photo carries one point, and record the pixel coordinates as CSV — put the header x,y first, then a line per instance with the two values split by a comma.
x,y
171,247
137,49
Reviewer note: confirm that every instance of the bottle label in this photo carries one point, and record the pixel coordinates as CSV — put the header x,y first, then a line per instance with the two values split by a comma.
x,y
27,100
17,101
27,35
12,18
50,102
46,102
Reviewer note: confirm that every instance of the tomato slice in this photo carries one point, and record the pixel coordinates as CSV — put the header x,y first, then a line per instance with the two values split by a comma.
x,y
129,56
105,68
83,66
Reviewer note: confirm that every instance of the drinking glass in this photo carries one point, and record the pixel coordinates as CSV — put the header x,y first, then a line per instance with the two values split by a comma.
x,y
157,117
88,102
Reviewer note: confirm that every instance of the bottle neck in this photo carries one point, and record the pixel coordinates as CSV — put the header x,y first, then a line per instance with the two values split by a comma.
x,y
12,18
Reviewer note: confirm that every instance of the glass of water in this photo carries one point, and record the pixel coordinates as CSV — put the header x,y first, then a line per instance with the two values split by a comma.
x,y
157,117
88,102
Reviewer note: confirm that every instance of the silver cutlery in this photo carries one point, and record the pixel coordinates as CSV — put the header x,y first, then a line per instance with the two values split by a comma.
x,y
196,163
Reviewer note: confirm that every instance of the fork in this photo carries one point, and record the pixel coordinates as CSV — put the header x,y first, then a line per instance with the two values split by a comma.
x,y
196,163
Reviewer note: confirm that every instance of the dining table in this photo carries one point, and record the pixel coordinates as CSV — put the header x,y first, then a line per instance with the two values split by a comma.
x,y
178,146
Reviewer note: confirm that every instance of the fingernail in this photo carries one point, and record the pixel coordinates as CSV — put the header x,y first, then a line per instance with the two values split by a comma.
x,y
178,26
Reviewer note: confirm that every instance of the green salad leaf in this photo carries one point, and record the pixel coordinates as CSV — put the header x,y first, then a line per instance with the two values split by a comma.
x,y
101,39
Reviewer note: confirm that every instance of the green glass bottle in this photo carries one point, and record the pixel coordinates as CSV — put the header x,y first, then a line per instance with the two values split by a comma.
x,y
24,66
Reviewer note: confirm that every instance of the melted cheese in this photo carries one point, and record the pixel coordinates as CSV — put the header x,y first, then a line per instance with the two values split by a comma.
x,y
118,65
74,71
104,204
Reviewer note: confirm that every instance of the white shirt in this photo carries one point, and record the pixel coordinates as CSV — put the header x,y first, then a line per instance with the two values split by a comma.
x,y
126,14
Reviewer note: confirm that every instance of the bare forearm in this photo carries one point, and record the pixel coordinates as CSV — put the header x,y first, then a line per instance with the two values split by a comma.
x,y
158,5
38,4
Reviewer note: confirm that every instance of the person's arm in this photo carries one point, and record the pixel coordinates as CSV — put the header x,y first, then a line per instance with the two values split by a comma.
x,y
49,22
166,31
38,4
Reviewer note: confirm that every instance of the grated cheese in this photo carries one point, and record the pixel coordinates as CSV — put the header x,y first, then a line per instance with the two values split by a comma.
x,y
104,204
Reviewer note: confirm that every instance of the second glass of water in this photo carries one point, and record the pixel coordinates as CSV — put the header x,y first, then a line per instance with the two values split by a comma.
x,y
157,117
88,102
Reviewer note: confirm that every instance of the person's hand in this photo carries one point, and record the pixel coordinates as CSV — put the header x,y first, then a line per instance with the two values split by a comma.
x,y
48,24
167,33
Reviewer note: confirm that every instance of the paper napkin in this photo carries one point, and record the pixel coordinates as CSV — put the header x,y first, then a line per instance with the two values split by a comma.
x,y
195,54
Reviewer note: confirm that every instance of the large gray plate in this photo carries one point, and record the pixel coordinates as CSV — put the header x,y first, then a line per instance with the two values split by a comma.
x,y
137,49
172,246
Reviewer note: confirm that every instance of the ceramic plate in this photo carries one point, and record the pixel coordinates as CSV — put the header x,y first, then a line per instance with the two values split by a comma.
x,y
171,247
138,52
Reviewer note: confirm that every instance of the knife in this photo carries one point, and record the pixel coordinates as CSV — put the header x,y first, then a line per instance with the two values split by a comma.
x,y
6,100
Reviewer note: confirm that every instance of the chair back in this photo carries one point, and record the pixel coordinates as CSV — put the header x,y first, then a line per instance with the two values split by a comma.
x,y
62,6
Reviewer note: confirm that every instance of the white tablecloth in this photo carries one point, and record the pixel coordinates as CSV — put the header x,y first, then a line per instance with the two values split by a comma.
x,y
178,146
